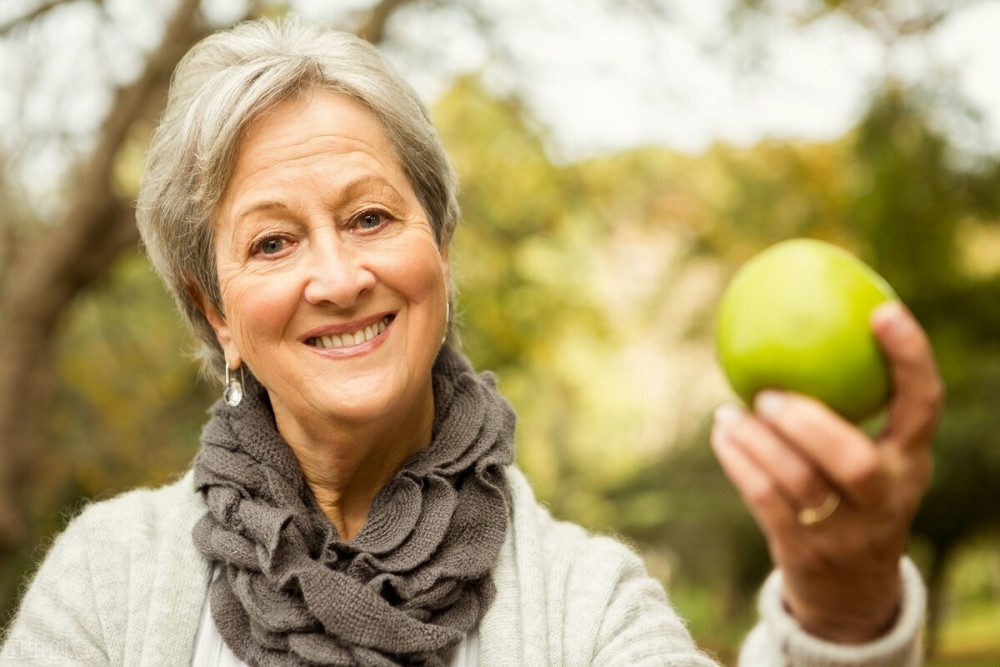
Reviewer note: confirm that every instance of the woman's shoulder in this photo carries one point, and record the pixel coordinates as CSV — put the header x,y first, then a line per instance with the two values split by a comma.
x,y
138,518
121,571
556,535
145,509
570,557
587,598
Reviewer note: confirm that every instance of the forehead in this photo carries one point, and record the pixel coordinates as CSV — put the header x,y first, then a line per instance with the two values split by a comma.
x,y
315,137
314,120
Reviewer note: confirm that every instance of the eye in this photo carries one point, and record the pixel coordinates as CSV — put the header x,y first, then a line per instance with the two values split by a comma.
x,y
370,220
269,245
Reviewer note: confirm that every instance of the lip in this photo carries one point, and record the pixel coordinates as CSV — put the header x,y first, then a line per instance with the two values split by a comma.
x,y
349,327
346,327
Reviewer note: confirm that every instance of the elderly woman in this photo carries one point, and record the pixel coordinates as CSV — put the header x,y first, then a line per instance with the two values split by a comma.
x,y
354,499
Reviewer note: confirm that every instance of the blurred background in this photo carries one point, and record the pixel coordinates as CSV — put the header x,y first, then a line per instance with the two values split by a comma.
x,y
620,159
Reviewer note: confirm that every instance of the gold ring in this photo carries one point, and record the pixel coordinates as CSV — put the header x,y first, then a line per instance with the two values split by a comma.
x,y
810,516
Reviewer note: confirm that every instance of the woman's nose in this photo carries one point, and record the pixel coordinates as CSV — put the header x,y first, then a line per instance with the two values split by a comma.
x,y
337,274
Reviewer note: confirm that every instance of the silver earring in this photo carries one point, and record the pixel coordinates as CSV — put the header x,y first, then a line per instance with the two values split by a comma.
x,y
232,394
447,321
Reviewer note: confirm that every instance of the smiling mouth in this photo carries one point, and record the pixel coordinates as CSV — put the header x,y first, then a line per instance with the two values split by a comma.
x,y
358,337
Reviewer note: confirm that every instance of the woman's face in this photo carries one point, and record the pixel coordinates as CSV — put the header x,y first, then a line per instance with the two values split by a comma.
x,y
334,288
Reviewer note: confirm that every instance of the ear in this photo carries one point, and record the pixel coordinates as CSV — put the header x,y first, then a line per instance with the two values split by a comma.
x,y
218,323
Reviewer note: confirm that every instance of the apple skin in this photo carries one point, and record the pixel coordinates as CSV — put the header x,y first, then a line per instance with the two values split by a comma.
x,y
796,317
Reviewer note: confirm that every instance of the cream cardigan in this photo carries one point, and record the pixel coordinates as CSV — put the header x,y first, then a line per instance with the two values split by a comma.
x,y
124,585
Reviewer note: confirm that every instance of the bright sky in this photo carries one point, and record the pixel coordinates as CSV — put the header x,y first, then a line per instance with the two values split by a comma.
x,y
599,80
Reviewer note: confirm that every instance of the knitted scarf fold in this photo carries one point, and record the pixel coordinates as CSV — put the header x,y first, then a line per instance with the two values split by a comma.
x,y
407,588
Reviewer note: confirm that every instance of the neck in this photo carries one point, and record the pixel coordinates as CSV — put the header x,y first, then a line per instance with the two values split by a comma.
x,y
346,465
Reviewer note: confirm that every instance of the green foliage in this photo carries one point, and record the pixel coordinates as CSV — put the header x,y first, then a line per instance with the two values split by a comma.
x,y
130,407
519,251
903,184
557,270
971,615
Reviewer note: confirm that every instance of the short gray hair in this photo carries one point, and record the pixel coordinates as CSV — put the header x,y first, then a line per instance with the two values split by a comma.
x,y
220,86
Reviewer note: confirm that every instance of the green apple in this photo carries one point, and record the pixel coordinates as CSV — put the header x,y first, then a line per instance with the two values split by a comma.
x,y
797,317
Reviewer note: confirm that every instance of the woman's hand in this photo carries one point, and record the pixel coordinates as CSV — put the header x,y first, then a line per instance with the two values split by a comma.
x,y
834,504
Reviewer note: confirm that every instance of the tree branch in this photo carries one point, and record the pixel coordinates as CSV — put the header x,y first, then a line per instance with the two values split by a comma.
x,y
55,267
97,227
34,14
373,26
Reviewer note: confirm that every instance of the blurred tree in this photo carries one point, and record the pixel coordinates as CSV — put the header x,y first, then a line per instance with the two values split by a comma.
x,y
525,304
891,21
47,263
915,205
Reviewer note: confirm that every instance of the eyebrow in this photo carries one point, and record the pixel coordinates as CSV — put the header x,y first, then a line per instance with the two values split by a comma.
x,y
349,191
260,207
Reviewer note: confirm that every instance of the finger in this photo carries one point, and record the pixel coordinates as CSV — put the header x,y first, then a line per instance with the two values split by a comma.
x,y
918,391
844,454
796,476
768,505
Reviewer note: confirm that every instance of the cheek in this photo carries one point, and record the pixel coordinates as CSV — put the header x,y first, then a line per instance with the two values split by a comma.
x,y
258,310
420,276
434,280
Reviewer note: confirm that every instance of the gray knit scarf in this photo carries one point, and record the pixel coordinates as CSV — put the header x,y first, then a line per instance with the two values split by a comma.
x,y
407,588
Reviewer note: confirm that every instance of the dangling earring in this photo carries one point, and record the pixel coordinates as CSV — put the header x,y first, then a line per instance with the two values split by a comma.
x,y
232,394
447,321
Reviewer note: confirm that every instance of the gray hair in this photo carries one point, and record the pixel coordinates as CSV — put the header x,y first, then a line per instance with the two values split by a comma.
x,y
220,86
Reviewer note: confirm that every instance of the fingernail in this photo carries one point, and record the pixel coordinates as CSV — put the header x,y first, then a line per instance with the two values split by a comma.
x,y
769,402
727,413
888,315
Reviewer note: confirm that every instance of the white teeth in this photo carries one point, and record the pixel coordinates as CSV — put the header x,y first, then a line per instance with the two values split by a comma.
x,y
356,338
327,342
